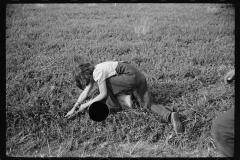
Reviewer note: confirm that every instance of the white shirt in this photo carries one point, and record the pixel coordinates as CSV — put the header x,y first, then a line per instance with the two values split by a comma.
x,y
104,70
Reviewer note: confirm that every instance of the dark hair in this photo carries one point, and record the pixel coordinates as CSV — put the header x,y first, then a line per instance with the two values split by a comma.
x,y
83,75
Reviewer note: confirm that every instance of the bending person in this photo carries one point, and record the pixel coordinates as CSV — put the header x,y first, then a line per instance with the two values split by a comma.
x,y
114,77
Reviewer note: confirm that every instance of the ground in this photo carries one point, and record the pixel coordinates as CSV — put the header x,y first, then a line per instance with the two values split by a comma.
x,y
184,50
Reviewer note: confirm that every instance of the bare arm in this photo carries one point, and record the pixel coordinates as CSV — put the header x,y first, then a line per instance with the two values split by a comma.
x,y
83,95
102,95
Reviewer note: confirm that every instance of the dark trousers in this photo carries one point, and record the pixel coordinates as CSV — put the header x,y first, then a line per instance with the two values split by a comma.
x,y
223,133
129,78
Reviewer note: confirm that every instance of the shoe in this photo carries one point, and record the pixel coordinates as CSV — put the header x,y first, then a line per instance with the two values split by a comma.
x,y
177,125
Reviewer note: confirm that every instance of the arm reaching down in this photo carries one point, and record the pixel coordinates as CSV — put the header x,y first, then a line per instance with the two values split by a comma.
x,y
102,95
81,98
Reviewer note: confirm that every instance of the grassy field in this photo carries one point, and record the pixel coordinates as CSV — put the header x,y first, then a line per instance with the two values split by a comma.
x,y
183,49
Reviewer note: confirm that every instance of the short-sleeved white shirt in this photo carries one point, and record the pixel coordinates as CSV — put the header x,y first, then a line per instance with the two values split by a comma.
x,y
104,70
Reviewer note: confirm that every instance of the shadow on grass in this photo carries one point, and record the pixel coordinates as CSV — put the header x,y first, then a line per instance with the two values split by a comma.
x,y
165,93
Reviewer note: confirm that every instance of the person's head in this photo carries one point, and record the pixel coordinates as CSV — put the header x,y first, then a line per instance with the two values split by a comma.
x,y
83,75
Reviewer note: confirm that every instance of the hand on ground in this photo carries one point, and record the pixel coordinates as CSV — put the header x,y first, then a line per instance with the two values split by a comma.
x,y
70,113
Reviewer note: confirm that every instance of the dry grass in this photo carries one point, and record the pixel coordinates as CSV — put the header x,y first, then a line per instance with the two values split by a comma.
x,y
183,49
143,26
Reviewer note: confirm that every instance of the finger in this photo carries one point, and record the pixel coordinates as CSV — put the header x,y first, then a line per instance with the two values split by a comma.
x,y
69,116
230,74
229,77
225,79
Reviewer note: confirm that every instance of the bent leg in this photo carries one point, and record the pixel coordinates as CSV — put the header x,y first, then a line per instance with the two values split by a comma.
x,y
127,79
223,133
142,94
131,79
112,102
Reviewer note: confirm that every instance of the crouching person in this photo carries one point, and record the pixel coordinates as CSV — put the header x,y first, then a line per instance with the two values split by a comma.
x,y
115,77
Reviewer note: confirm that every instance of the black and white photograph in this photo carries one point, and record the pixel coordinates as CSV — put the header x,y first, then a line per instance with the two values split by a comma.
x,y
120,80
